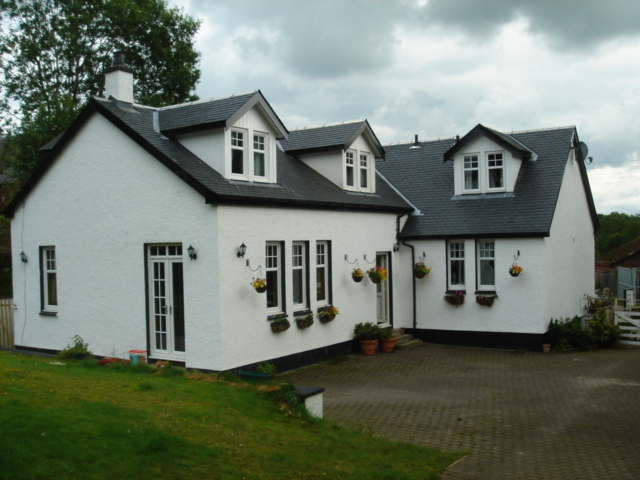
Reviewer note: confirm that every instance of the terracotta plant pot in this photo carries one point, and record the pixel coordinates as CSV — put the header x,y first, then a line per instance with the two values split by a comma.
x,y
546,347
368,346
387,345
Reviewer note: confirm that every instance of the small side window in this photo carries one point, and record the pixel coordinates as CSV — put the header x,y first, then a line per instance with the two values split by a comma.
x,y
49,274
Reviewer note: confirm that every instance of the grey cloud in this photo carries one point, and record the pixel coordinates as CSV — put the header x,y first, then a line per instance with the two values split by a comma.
x,y
575,25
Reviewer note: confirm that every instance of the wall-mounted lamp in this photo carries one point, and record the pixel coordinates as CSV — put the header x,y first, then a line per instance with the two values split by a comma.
x,y
396,247
23,257
242,249
192,253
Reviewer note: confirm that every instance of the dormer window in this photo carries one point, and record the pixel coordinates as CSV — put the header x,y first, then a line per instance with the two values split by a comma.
x,y
350,170
471,173
237,153
495,169
259,155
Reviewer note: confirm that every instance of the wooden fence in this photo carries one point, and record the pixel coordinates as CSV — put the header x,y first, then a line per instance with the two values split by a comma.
x,y
6,323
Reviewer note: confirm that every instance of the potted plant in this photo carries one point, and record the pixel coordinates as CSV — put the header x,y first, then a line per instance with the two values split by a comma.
x,y
280,325
304,322
327,314
377,274
260,284
420,270
515,270
455,298
486,300
367,334
387,340
357,275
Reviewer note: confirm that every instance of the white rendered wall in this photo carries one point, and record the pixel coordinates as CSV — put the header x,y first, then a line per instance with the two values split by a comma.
x,y
569,251
102,200
208,145
245,336
517,309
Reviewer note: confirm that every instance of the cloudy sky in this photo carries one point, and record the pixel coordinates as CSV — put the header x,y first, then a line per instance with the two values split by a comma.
x,y
437,68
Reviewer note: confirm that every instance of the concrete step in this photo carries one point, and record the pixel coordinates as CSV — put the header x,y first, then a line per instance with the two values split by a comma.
x,y
397,332
406,345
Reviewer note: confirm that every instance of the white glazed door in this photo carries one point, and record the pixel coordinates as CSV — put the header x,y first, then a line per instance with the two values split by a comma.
x,y
382,292
166,297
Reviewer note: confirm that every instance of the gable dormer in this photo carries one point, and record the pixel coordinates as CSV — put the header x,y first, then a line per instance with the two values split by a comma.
x,y
486,161
235,135
344,153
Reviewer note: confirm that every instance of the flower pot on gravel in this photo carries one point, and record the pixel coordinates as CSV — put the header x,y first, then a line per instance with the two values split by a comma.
x,y
368,347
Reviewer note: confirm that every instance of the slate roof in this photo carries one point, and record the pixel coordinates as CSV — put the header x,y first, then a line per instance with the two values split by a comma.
x,y
297,184
427,182
621,253
329,137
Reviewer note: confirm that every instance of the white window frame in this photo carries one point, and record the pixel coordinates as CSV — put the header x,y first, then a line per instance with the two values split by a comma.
x,y
364,171
490,167
322,272
48,265
350,167
455,253
300,268
273,265
257,151
485,252
469,157
233,146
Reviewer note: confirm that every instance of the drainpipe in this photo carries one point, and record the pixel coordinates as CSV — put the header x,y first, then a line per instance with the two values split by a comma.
x,y
413,261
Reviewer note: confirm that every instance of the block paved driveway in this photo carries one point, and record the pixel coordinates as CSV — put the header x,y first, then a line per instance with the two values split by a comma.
x,y
519,415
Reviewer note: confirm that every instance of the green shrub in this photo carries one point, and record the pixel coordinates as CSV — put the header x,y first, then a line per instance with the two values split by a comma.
x,y
266,367
571,333
366,331
78,351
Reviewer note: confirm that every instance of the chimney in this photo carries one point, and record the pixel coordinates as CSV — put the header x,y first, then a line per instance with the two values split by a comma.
x,y
118,80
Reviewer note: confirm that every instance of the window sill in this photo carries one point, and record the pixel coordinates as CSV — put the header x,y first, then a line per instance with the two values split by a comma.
x,y
485,292
45,313
277,316
298,313
463,291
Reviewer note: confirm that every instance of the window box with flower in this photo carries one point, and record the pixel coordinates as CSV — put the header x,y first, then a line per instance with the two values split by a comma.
x,y
420,270
304,322
377,274
455,298
486,299
280,325
327,314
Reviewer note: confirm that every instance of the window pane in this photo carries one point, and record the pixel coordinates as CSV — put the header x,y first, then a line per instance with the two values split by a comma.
x,y
350,181
237,161
487,272
321,287
471,180
457,272
298,285
496,178
272,289
258,164
52,289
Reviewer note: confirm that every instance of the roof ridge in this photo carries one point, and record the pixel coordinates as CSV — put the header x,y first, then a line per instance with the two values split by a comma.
x,y
566,127
213,99
411,142
346,122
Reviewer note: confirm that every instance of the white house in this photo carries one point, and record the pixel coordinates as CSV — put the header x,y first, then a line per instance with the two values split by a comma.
x,y
144,227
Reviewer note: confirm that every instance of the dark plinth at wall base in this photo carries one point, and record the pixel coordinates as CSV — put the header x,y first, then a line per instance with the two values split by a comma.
x,y
506,340
302,359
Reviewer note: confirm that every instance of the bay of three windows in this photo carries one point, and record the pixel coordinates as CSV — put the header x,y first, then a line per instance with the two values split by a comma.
x,y
300,275
483,176
484,262
249,158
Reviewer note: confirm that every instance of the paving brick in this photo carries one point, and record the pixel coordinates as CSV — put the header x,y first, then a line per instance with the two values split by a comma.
x,y
520,416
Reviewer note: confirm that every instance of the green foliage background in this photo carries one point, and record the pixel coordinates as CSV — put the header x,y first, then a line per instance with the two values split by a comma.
x,y
616,229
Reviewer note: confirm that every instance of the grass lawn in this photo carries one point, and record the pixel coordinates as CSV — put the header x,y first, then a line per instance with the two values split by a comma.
x,y
69,420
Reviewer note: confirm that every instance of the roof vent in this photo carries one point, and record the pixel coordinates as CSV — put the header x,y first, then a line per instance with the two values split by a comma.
x,y
416,143
118,80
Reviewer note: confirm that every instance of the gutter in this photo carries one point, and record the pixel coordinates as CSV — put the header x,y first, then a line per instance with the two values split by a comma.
x,y
413,277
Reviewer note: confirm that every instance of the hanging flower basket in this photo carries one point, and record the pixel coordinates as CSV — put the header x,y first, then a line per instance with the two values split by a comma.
x,y
515,270
280,325
259,284
357,275
420,270
327,314
486,300
304,322
377,274
455,298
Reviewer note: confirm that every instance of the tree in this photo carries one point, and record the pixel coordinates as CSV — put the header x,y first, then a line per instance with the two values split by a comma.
x,y
54,54
616,229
